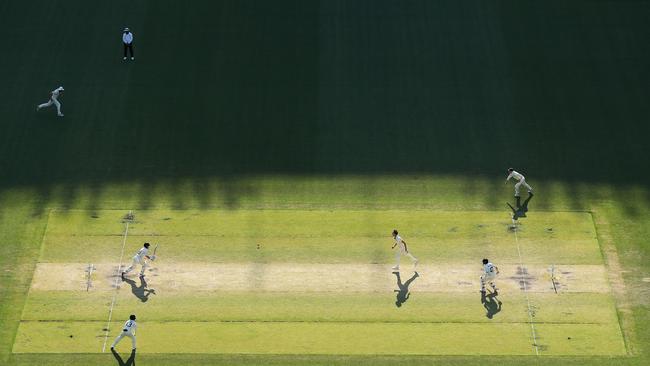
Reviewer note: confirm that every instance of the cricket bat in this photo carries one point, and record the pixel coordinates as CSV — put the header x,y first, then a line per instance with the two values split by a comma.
x,y
153,256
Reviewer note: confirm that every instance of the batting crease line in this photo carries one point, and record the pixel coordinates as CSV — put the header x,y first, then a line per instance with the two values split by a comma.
x,y
117,278
90,274
553,277
523,281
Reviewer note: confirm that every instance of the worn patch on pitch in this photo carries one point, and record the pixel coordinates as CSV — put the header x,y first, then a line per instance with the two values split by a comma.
x,y
291,277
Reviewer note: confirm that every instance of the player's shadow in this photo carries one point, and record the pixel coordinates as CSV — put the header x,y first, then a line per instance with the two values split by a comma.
x,y
403,293
520,210
129,362
491,304
141,292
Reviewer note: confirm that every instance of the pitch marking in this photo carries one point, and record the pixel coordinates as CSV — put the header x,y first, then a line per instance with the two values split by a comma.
x,y
117,278
89,282
553,278
523,280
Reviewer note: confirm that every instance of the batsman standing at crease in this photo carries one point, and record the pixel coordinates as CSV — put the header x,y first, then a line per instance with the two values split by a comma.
x,y
140,258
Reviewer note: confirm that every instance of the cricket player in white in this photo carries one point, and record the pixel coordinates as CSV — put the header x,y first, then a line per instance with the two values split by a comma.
x,y
140,258
402,250
127,331
490,272
54,99
521,181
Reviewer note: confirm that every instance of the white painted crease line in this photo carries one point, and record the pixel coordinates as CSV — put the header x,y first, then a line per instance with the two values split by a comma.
x,y
90,277
523,281
117,278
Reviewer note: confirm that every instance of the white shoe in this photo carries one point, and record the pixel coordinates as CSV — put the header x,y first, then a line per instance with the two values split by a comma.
x,y
60,114
396,268
132,58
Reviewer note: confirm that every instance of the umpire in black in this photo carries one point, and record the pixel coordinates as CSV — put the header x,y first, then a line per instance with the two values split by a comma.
x,y
127,38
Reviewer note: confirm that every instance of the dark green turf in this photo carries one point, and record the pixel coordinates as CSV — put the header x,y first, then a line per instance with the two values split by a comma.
x,y
556,88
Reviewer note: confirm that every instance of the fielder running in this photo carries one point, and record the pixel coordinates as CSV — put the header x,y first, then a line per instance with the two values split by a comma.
x,y
402,250
490,272
522,181
140,258
54,99
127,331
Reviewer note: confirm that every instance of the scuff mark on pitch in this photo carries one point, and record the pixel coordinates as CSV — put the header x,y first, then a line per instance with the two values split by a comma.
x,y
524,278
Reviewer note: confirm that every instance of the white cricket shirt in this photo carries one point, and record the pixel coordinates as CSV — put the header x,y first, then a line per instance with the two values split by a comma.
x,y
489,268
129,326
55,92
142,253
515,175
400,244
127,38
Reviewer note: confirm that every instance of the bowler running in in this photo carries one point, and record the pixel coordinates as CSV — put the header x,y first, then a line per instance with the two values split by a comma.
x,y
140,258
401,250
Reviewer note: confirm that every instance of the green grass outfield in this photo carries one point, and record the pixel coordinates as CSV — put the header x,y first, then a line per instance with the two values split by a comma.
x,y
300,321
299,315
260,108
304,314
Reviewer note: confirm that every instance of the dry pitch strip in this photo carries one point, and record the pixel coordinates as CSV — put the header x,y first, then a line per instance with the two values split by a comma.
x,y
320,282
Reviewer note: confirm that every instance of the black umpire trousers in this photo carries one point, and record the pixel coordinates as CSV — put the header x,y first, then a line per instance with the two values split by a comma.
x,y
128,46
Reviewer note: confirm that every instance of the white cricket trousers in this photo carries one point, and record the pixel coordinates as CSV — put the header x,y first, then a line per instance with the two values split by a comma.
x,y
137,261
399,254
522,183
122,335
49,103
488,278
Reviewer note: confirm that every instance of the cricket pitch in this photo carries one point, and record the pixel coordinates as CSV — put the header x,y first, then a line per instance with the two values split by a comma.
x,y
320,282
